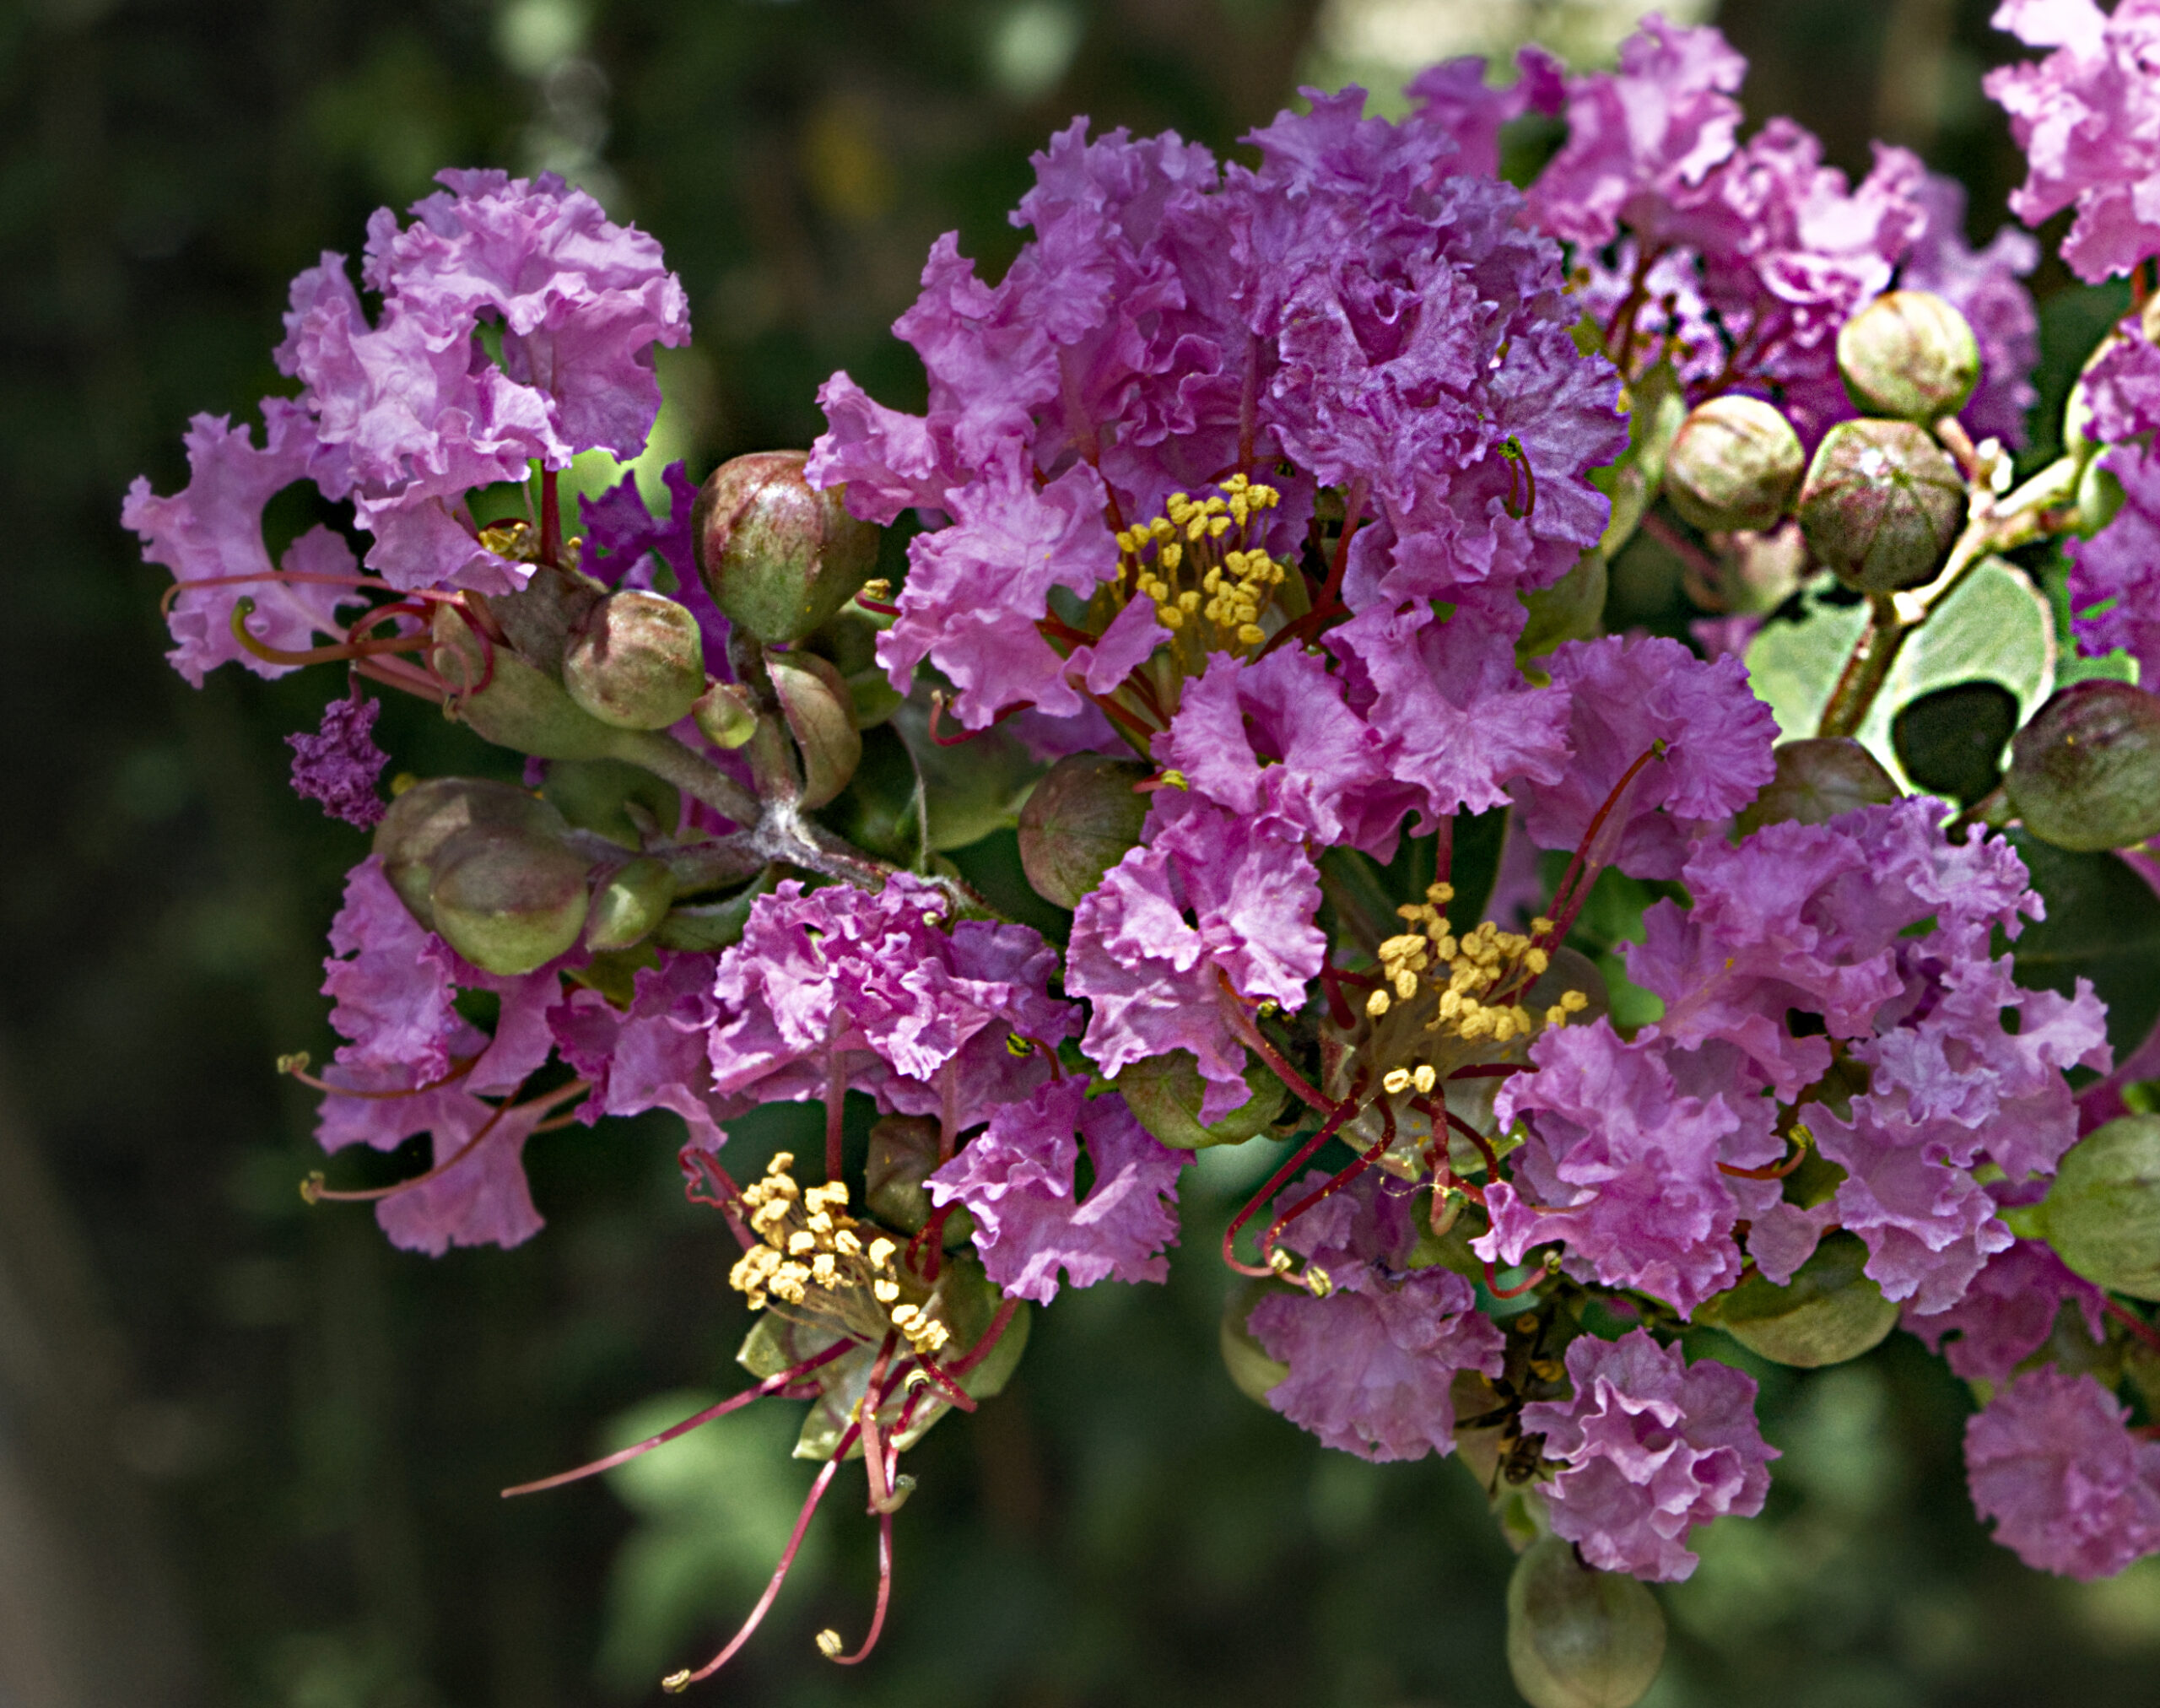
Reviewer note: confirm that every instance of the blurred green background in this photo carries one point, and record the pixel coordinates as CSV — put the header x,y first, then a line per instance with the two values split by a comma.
x,y
248,1452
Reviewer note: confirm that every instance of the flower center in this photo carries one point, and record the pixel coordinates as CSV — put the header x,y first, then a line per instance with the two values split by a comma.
x,y
1193,563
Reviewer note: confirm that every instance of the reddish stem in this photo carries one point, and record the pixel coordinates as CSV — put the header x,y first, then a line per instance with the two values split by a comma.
x,y
1493,1286
1007,1309
1303,1154
1336,1182
551,521
884,1593
2131,1320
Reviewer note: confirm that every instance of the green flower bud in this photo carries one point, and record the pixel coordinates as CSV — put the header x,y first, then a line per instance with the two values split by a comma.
x,y
1882,504
636,662
624,802
1828,1313
1908,354
725,715
427,816
2100,498
2085,773
627,908
779,556
1818,778
2103,1214
1734,465
508,701
1164,1094
1078,823
821,715
1252,1371
508,900
1578,1638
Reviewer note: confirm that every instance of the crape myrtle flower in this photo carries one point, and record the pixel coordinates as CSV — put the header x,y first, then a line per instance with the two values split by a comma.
x,y
1019,1180
837,988
2071,1490
1815,919
2009,1312
1373,1362
2114,580
1649,1446
2087,116
340,763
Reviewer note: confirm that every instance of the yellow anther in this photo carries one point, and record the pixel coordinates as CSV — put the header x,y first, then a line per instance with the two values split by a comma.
x,y
829,1644
1503,1026
1379,1004
1536,960
1406,984
1218,526
1169,617
1171,556
1394,1080
822,1271
1251,634
1556,1016
1424,1077
903,1315
1188,602
1541,926
1574,1002
881,1251
801,1241
884,1291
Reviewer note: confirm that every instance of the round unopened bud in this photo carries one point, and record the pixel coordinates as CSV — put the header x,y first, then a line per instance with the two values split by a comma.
x,y
508,900
1828,1313
2085,774
1736,464
1578,1638
820,715
725,715
1818,778
778,555
637,661
2103,1214
508,701
1909,354
427,816
627,908
1078,822
1882,504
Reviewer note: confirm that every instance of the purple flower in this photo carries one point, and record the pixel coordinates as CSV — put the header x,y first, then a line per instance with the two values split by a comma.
x,y
2118,569
1018,1180
1373,1365
2070,1490
2088,119
625,546
1709,739
1212,908
838,986
412,1065
652,1054
1454,97
2009,1312
1650,1446
340,763
1624,1167
212,531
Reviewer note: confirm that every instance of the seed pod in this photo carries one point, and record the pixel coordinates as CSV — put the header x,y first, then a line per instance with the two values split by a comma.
x,y
1828,1313
626,907
1078,823
779,556
1165,1093
428,814
508,701
508,900
636,662
1736,464
2085,774
1908,354
1578,1638
1818,778
2103,1214
816,703
1882,504
1252,1371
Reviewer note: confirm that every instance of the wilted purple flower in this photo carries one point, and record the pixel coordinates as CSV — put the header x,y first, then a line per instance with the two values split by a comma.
x,y
838,986
340,763
212,531
1650,1446
2070,1490
1372,1364
2008,1313
1709,739
1210,909
1018,1181
2088,118
1624,1167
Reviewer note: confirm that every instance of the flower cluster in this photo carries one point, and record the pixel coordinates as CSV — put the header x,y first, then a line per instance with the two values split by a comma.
x,y
1272,503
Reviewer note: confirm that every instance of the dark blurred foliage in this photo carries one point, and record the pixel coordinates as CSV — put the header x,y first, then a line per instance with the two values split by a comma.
x,y
248,1452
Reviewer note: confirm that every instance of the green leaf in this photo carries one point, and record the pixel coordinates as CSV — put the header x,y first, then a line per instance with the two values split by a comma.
x,y
2102,924
1994,628
1951,741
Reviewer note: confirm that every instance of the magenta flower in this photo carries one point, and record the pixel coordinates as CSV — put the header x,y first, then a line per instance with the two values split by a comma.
x,y
653,1055
2008,1313
340,763
2070,1490
1650,1446
2088,118
2115,576
1017,1179
1372,1364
